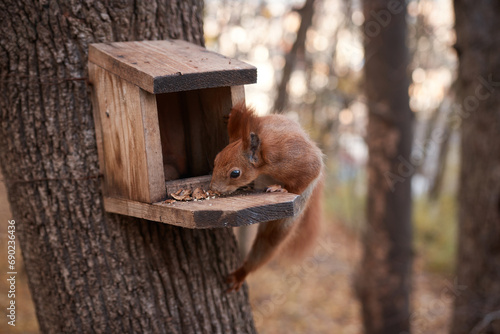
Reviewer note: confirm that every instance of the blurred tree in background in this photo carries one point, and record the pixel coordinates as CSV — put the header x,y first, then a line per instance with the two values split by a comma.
x,y
477,307
384,276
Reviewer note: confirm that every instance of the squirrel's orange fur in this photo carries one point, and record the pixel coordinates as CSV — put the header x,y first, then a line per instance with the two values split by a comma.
x,y
276,147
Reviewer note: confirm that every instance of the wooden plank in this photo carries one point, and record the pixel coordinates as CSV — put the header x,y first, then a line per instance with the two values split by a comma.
x,y
170,65
127,161
207,133
241,210
152,142
237,95
191,183
167,215
173,138
214,213
216,118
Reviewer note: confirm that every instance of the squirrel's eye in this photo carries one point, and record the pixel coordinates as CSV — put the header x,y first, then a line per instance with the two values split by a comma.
x,y
235,174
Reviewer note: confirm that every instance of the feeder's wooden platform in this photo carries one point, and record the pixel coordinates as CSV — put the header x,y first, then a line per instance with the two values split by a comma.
x,y
230,211
170,65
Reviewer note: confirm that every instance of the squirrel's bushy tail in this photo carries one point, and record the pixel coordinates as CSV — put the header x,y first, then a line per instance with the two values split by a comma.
x,y
307,230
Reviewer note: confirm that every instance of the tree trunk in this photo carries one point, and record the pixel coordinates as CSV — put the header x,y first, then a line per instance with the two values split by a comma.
x,y
90,271
478,263
384,276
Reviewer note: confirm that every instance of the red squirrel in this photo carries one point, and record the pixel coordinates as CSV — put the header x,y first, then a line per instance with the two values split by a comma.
x,y
276,147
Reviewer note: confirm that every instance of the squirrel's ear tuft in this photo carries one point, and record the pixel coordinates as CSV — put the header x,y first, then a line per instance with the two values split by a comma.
x,y
234,125
254,149
241,120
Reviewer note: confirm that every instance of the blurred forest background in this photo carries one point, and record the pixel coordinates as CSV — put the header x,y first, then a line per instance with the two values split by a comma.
x,y
311,55
325,94
313,70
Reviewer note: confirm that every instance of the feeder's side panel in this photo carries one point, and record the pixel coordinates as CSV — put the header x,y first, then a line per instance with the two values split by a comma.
x,y
131,152
156,177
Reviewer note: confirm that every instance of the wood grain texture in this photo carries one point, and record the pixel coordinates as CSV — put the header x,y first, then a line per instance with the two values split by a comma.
x,y
153,150
205,127
227,211
214,213
131,145
237,95
170,65
190,183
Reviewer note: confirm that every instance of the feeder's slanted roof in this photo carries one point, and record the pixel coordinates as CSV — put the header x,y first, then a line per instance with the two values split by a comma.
x,y
170,65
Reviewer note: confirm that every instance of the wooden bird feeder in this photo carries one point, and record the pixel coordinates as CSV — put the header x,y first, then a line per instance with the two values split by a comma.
x,y
160,112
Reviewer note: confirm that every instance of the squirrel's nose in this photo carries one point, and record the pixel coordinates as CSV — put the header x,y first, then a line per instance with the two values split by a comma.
x,y
217,187
213,186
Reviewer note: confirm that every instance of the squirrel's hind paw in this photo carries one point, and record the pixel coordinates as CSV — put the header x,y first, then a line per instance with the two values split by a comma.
x,y
236,279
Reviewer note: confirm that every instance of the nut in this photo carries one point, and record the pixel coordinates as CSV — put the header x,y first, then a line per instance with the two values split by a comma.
x,y
182,195
199,193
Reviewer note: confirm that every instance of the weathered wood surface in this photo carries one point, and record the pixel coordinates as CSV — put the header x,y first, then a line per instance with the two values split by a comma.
x,y
190,183
170,65
129,141
230,211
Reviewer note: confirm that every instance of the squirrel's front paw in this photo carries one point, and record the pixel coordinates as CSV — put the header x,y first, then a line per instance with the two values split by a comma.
x,y
276,188
236,279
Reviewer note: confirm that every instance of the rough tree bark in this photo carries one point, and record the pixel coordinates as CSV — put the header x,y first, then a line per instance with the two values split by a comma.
x,y
383,279
478,262
90,271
